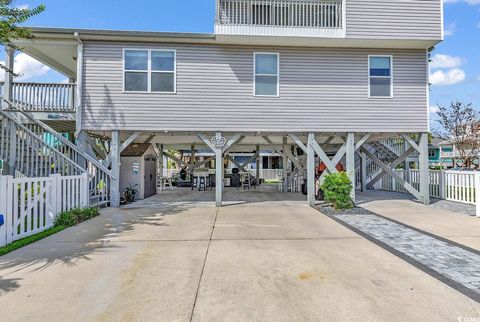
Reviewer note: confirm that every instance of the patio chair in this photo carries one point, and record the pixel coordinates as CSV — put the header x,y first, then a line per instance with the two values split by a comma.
x,y
167,182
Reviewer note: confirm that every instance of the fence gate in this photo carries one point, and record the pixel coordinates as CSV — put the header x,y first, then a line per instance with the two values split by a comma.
x,y
29,205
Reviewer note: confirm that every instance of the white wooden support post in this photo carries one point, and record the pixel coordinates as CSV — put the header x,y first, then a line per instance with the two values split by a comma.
x,y
350,161
160,167
406,167
192,157
285,165
423,169
84,197
364,171
12,159
78,87
115,182
162,161
257,165
82,143
8,85
218,173
311,170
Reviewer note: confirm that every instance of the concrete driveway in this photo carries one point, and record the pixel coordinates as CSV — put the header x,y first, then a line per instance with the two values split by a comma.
x,y
174,258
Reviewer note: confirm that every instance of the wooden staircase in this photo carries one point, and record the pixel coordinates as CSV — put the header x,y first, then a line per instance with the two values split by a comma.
x,y
31,148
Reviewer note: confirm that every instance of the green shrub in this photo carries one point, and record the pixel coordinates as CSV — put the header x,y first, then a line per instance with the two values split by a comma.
x,y
336,189
75,216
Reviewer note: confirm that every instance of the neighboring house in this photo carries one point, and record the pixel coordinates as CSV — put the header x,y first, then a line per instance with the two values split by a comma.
x,y
441,153
326,77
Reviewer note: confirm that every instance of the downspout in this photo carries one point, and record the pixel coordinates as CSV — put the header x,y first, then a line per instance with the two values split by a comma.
x,y
79,87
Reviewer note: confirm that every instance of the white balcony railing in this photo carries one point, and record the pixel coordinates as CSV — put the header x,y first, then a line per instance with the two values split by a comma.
x,y
318,14
43,97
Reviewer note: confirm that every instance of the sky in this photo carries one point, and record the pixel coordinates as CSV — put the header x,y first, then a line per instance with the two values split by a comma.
x,y
455,67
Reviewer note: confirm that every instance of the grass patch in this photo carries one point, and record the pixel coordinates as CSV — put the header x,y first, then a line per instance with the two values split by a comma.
x,y
30,239
63,220
272,181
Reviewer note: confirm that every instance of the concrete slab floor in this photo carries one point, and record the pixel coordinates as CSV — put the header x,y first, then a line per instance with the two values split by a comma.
x,y
183,260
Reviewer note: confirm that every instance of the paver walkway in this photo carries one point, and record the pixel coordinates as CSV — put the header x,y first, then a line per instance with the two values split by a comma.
x,y
456,265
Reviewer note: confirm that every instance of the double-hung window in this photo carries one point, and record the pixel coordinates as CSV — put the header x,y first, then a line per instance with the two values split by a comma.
x,y
380,76
149,71
266,74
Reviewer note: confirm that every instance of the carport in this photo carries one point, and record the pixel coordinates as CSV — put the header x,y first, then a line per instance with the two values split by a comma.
x,y
366,157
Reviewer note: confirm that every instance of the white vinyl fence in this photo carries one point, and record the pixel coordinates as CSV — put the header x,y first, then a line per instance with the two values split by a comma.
x,y
29,205
458,186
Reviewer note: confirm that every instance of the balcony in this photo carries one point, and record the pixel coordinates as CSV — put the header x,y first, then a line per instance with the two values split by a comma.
x,y
43,97
283,18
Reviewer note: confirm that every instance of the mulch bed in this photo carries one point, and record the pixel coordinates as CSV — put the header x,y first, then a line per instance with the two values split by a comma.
x,y
329,210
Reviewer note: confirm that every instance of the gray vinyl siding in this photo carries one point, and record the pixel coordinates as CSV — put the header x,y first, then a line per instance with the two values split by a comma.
x,y
394,19
323,90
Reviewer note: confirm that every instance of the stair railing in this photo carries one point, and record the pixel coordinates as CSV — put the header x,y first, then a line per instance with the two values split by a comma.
x,y
99,175
33,156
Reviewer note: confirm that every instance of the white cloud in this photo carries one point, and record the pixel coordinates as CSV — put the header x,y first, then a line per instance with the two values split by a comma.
x,y
23,6
450,29
450,77
434,109
445,61
26,67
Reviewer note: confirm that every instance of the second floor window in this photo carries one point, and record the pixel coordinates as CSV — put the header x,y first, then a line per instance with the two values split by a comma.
x,y
149,71
266,74
380,76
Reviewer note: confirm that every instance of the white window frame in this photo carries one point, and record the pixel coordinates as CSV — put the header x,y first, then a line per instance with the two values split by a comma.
x,y
391,76
149,71
255,73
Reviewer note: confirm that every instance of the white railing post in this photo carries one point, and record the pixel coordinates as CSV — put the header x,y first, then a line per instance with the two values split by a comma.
x,y
441,184
55,198
3,209
477,193
84,195
9,193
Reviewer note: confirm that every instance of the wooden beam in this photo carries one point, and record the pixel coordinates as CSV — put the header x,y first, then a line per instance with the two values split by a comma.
x,y
199,164
394,175
249,160
392,165
329,139
174,158
281,151
124,145
321,154
238,164
98,150
207,142
149,139
362,141
411,142
298,142
237,138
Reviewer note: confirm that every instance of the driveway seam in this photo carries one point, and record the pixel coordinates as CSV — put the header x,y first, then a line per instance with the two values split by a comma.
x,y
203,266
